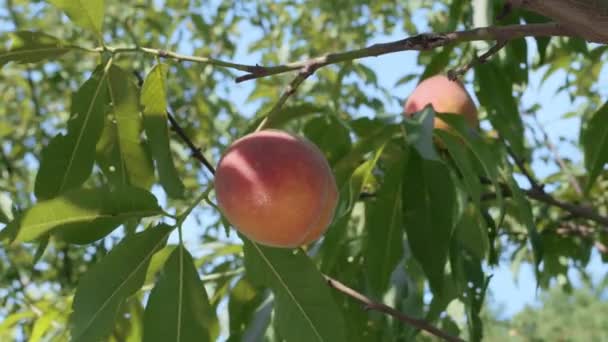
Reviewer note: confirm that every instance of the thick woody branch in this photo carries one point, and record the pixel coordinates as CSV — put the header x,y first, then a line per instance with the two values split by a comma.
x,y
371,305
426,41
588,19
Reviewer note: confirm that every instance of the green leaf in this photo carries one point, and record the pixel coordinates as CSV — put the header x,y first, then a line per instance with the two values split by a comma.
x,y
287,114
419,132
429,201
84,214
68,159
154,103
103,289
349,192
439,62
523,212
472,234
6,208
594,139
32,47
158,261
120,150
461,157
345,166
384,226
495,93
243,302
304,307
87,14
488,156
178,308
330,135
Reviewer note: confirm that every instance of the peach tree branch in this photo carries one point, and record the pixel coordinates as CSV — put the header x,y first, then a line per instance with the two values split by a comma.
x,y
421,42
371,305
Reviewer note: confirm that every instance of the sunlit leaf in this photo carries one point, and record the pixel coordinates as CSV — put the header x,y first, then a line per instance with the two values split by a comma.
x,y
107,284
178,308
32,47
304,307
120,150
87,14
243,301
595,144
154,103
67,161
84,214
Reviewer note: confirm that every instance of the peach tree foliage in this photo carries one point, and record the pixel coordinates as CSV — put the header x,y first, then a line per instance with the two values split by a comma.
x,y
94,177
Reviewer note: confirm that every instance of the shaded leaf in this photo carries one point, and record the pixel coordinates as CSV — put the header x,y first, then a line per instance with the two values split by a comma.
x,y
178,308
154,103
103,289
304,307
429,202
67,161
87,14
349,193
120,150
32,47
84,214
419,132
384,226
495,93
595,144
243,301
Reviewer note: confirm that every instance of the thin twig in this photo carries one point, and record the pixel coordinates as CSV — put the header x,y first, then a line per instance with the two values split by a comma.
x,y
538,193
196,152
459,72
371,305
289,91
571,178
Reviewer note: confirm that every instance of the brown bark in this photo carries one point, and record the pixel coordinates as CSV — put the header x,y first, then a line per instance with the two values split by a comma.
x,y
587,18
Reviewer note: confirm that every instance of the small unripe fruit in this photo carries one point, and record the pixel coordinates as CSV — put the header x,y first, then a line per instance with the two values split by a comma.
x,y
276,188
445,96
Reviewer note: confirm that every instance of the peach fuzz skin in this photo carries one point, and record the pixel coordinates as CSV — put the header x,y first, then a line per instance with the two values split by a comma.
x,y
446,97
277,189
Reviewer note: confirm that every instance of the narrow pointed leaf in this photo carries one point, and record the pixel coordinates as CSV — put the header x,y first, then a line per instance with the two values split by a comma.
x,y
595,144
154,102
385,228
83,213
104,288
32,47
87,14
419,133
178,308
68,159
305,310
243,301
495,93
121,152
429,204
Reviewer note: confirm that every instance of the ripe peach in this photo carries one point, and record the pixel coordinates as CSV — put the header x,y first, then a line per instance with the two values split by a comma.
x,y
276,189
445,96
